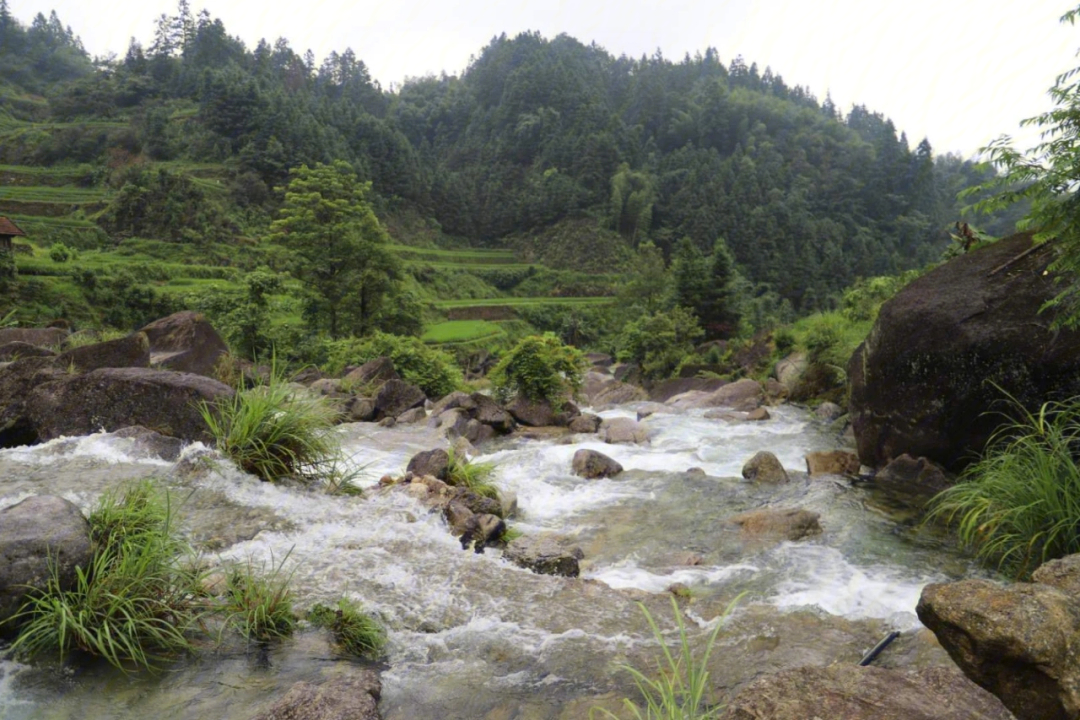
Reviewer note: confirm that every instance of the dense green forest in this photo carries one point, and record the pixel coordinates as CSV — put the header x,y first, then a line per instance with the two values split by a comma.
x,y
549,168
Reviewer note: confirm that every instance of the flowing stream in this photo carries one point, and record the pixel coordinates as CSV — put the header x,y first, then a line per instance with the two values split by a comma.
x,y
474,637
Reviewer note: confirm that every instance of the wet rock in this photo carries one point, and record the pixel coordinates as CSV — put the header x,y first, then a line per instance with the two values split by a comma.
x,y
477,432
623,430
372,374
649,409
388,422
435,463
326,386
534,413
36,534
764,467
758,415
39,337
615,392
130,351
352,697
850,692
152,444
919,381
1062,573
454,400
790,369
111,398
488,412
1017,641
410,417
15,350
828,411
451,423
361,409
833,462
696,472
16,380
919,478
185,342
585,423
791,524
593,464
667,389
743,395
775,390
481,531
545,556
397,396
307,375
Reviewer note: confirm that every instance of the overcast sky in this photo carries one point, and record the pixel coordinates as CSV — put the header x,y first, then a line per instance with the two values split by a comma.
x,y
958,72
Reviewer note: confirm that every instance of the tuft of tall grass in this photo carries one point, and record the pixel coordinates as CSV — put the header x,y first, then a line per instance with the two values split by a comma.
x,y
260,606
357,632
679,690
1019,505
275,432
472,475
134,604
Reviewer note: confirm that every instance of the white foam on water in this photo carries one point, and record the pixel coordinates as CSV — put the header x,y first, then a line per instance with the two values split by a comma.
x,y
11,706
629,575
103,447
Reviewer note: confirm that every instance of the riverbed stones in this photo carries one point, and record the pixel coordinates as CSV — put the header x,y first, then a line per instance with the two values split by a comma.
x,y
545,556
785,524
850,692
764,468
489,413
592,464
37,534
148,443
623,430
360,409
185,342
832,462
351,697
534,413
585,423
1021,642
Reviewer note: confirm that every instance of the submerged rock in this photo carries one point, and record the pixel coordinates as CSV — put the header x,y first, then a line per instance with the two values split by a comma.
x,y
352,697
592,464
785,524
764,467
833,462
1017,641
37,534
545,556
850,692
151,443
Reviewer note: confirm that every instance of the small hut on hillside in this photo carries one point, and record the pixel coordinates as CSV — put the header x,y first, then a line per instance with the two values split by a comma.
x,y
8,232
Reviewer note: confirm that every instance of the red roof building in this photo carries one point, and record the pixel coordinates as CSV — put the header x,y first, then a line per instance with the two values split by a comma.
x,y
8,230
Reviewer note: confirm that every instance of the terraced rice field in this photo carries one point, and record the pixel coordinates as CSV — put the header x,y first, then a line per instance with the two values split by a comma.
x,y
522,302
460,331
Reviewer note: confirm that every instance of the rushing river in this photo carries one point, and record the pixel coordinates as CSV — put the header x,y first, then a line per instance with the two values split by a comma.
x,y
474,637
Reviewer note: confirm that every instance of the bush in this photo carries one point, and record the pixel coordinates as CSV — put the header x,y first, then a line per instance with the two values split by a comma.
x,y
60,253
358,633
660,342
134,604
1019,505
275,432
258,606
539,368
431,370
474,476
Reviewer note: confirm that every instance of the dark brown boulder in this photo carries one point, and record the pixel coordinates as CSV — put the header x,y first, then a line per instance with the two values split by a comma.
x,y
130,351
397,396
545,556
850,692
1021,642
534,413
912,480
435,463
488,412
373,373
185,342
592,464
50,337
923,382
16,381
15,350
779,524
112,398
36,535
352,697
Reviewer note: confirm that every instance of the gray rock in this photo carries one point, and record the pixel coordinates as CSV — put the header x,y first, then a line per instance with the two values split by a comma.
x,y
152,444
545,556
764,467
456,399
352,697
488,412
614,392
534,413
15,350
1017,641
130,351
789,370
410,417
326,386
593,464
1062,573
917,477
39,337
828,411
435,463
185,342
35,534
623,430
397,396
361,409
477,432
667,389
585,423
758,415
372,374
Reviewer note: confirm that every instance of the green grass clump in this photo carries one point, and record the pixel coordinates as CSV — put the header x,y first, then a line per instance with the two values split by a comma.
x,y
357,632
275,432
260,606
681,685
472,475
1019,505
134,604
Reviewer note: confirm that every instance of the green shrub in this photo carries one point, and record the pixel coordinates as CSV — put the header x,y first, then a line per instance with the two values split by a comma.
x,y
60,253
1019,505
259,606
357,632
431,370
275,432
539,368
660,342
134,604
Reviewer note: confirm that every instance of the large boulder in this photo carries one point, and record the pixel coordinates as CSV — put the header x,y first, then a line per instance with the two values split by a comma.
x,y
435,463
585,423
130,351
764,467
16,349
185,342
36,535
789,370
850,692
592,464
615,392
545,556
622,430
667,389
112,398
1062,573
489,413
352,697
372,374
397,396
945,350
50,337
1020,642
534,413
16,381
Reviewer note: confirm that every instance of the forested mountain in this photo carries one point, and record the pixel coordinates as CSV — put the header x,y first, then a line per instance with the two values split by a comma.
x,y
536,136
